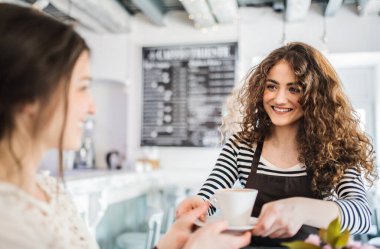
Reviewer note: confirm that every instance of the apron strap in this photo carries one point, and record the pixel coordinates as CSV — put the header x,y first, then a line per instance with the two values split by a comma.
x,y
256,160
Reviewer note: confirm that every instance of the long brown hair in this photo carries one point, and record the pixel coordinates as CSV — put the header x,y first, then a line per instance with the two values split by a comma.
x,y
329,136
37,57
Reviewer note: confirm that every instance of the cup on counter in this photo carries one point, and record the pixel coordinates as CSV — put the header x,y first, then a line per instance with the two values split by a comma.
x,y
236,205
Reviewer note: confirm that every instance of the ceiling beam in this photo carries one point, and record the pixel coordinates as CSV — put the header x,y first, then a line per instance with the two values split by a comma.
x,y
331,7
369,7
225,11
296,10
153,9
253,2
105,16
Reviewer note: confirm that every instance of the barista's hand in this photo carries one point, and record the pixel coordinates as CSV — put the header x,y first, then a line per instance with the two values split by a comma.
x,y
182,229
280,219
189,204
212,237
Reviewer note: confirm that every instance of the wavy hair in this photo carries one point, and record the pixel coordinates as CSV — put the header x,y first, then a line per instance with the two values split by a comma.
x,y
329,137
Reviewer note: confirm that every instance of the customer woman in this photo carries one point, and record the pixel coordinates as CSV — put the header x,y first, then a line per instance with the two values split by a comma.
x,y
300,145
44,100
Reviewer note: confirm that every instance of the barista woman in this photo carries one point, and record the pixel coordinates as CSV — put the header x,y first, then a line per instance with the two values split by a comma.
x,y
300,145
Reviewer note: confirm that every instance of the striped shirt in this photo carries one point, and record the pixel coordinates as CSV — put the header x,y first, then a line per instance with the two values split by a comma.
x,y
234,163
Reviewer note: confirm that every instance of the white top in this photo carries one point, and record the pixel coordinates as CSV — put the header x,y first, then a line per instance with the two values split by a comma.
x,y
26,222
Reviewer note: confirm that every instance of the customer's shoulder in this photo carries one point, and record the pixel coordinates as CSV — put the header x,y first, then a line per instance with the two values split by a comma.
x,y
47,180
49,184
20,228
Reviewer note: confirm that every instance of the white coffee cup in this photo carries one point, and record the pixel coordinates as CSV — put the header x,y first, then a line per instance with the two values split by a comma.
x,y
236,205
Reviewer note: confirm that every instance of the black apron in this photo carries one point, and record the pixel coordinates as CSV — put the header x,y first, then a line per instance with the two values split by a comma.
x,y
272,188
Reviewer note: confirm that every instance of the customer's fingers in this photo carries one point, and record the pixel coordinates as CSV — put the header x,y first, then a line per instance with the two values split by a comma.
x,y
194,214
187,205
233,240
216,227
275,228
181,211
239,241
202,217
265,223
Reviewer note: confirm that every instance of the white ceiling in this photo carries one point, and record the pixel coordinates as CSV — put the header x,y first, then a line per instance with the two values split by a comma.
x,y
114,16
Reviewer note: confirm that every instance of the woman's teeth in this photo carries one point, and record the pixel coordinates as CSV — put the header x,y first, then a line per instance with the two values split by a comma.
x,y
281,109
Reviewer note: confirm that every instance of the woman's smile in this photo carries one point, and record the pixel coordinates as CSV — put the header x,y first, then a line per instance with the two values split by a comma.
x,y
281,110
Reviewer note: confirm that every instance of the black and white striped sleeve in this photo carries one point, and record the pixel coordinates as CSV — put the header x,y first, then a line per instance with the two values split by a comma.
x,y
353,203
225,172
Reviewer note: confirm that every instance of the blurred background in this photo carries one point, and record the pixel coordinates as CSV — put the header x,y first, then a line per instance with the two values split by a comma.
x,y
162,71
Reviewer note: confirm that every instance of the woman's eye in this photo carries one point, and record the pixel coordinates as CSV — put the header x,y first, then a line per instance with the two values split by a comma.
x,y
294,90
84,88
271,87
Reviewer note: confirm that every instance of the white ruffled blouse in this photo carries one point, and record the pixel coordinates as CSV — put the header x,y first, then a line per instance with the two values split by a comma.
x,y
26,222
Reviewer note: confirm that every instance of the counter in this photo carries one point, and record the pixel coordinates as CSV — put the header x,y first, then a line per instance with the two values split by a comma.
x,y
112,185
93,191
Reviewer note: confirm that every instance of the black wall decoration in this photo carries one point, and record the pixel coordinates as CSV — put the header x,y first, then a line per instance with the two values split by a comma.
x,y
184,88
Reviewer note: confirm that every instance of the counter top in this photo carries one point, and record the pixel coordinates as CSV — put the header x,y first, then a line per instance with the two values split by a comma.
x,y
87,181
112,186
93,191
83,174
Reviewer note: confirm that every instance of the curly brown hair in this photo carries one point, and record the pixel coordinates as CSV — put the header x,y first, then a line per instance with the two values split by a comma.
x,y
329,138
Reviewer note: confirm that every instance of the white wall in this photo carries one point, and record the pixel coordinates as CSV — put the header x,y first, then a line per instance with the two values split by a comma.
x,y
258,31
261,31
109,55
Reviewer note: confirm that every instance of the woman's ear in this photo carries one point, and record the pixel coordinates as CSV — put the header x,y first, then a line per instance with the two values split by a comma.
x,y
25,116
30,109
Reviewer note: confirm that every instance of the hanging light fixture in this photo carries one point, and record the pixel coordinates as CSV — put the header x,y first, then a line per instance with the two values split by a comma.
x,y
41,4
199,12
284,39
324,38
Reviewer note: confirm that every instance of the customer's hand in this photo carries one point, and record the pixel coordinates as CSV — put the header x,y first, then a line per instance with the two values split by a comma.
x,y
189,204
181,230
212,237
280,219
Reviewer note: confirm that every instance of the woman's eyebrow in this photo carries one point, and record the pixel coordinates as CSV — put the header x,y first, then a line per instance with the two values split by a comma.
x,y
288,84
89,78
273,81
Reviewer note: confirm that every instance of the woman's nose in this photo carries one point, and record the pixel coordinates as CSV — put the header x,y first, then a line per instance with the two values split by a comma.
x,y
91,107
280,97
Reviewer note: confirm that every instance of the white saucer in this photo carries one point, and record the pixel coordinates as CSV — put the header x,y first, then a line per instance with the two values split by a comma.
x,y
217,217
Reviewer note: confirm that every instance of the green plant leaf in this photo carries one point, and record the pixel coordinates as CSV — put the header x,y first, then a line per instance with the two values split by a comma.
x,y
342,239
300,245
333,232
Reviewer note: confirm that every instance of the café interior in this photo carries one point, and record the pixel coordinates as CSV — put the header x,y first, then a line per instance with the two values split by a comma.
x,y
141,155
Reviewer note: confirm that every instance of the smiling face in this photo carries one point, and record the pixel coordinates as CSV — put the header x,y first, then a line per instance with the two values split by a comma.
x,y
281,96
80,106
81,103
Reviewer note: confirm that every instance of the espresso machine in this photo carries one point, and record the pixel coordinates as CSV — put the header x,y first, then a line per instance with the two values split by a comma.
x,y
85,156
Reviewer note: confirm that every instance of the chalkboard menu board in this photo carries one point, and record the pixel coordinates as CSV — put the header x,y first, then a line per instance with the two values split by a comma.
x,y
184,88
